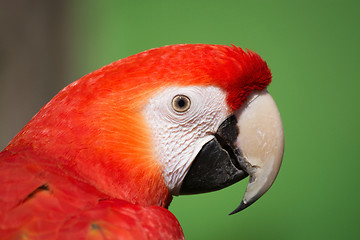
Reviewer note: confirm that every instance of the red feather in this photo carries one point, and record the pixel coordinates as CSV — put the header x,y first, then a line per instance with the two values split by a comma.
x,y
36,204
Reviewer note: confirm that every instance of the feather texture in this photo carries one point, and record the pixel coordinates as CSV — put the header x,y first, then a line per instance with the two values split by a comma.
x,y
36,204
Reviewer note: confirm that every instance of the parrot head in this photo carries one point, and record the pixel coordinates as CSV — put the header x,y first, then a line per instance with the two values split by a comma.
x,y
180,119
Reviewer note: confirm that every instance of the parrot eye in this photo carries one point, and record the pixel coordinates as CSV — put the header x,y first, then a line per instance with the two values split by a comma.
x,y
181,103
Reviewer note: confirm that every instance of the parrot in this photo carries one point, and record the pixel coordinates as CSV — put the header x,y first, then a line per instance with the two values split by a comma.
x,y
104,158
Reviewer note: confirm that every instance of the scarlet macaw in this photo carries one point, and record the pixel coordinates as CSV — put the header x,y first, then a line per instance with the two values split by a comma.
x,y
104,157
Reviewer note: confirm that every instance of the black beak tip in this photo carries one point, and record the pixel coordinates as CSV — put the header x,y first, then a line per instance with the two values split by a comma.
x,y
241,207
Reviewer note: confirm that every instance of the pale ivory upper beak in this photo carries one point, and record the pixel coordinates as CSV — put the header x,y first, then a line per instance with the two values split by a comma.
x,y
261,141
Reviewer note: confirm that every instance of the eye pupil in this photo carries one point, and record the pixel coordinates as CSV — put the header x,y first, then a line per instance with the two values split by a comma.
x,y
181,103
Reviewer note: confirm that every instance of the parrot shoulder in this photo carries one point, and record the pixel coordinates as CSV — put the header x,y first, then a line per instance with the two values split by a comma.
x,y
40,204
118,219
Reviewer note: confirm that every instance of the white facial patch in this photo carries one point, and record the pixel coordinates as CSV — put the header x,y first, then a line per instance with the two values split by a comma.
x,y
179,136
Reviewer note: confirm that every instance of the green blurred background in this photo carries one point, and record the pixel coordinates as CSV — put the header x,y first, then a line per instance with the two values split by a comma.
x,y
313,50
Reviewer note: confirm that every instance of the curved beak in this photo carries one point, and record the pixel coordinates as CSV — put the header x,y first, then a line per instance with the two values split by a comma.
x,y
261,140
249,142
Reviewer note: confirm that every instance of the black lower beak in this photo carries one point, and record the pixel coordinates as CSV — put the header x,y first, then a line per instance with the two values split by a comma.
x,y
218,164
